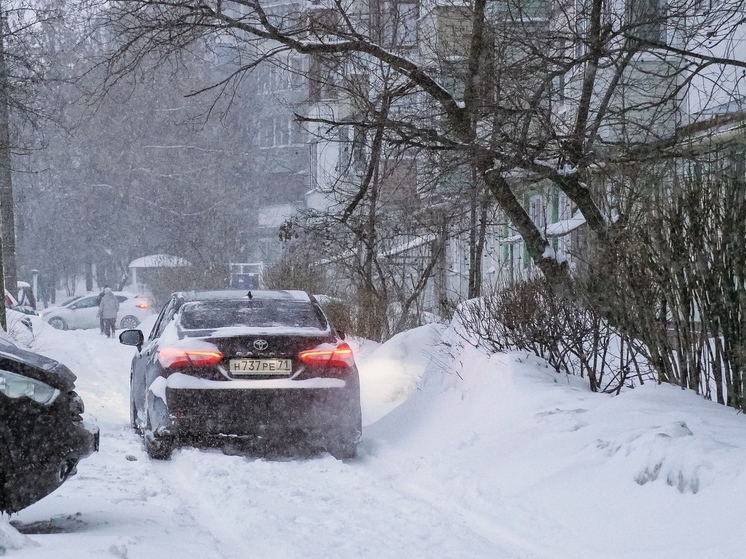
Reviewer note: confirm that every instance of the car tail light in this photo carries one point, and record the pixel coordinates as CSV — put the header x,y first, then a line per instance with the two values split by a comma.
x,y
328,356
142,305
180,357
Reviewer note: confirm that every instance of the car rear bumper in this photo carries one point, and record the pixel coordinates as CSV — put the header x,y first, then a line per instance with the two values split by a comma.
x,y
319,412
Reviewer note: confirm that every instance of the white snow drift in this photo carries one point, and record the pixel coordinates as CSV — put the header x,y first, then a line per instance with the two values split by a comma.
x,y
464,456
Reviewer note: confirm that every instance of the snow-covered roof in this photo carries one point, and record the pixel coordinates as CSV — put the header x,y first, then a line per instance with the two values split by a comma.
x,y
558,229
276,215
159,261
414,242
565,226
512,239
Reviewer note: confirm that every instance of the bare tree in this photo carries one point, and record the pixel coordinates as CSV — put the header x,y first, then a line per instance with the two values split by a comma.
x,y
512,65
680,266
585,96
136,172
23,65
378,248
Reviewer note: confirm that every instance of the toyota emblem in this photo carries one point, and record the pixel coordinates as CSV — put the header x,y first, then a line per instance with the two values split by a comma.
x,y
261,345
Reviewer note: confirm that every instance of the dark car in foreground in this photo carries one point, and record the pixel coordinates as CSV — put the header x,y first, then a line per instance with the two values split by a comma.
x,y
262,365
42,433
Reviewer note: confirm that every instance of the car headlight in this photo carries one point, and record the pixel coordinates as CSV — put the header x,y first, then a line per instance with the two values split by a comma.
x,y
17,386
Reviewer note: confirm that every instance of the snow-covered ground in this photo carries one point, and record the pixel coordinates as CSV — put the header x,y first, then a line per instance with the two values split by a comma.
x,y
463,456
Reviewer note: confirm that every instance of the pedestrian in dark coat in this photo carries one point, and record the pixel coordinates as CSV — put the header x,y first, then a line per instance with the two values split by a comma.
x,y
100,318
107,310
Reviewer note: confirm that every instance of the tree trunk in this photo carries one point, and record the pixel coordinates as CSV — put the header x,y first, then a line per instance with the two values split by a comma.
x,y
7,231
536,245
89,272
477,233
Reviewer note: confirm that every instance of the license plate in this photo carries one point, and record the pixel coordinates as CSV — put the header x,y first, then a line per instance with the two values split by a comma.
x,y
261,366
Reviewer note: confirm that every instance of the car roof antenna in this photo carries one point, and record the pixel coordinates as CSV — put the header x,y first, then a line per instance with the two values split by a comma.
x,y
249,295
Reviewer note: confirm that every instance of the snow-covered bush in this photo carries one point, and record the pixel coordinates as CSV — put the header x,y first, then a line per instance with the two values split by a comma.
x,y
557,326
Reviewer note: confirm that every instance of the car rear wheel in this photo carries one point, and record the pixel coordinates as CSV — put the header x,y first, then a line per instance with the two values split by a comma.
x,y
129,322
133,411
58,323
5,461
342,449
158,446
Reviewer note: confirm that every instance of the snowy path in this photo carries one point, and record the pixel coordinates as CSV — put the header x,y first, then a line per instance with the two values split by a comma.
x,y
472,457
316,508
206,504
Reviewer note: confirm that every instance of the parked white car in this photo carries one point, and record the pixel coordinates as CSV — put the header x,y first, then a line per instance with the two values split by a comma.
x,y
81,312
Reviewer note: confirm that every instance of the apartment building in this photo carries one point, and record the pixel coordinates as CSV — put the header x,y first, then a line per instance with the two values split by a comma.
x,y
644,96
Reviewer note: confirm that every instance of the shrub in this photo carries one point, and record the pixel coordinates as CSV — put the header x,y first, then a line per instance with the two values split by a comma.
x,y
556,325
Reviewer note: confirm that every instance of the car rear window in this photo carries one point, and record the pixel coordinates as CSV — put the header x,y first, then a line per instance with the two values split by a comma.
x,y
265,314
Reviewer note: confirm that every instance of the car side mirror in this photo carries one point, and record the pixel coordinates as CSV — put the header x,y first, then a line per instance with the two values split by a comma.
x,y
132,337
341,334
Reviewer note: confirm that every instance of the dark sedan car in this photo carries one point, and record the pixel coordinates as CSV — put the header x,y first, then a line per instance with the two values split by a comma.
x,y
42,433
262,365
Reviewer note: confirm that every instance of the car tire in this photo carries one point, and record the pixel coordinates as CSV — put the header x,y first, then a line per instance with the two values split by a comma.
x,y
133,411
129,322
158,447
342,449
58,323
5,464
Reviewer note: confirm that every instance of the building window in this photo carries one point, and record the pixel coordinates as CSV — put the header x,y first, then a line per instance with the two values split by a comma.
x,y
523,9
582,19
359,143
559,85
264,85
282,131
645,20
537,210
298,133
400,23
452,77
532,9
345,148
555,206
296,72
268,132
313,148
321,81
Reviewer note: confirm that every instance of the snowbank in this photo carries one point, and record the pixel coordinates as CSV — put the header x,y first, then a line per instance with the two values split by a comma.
x,y
10,538
565,473
390,373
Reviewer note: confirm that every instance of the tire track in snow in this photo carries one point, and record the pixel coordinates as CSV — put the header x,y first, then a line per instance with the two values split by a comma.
x,y
319,508
206,504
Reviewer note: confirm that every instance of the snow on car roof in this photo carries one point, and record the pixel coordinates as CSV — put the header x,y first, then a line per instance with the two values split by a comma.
x,y
278,294
236,331
159,261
